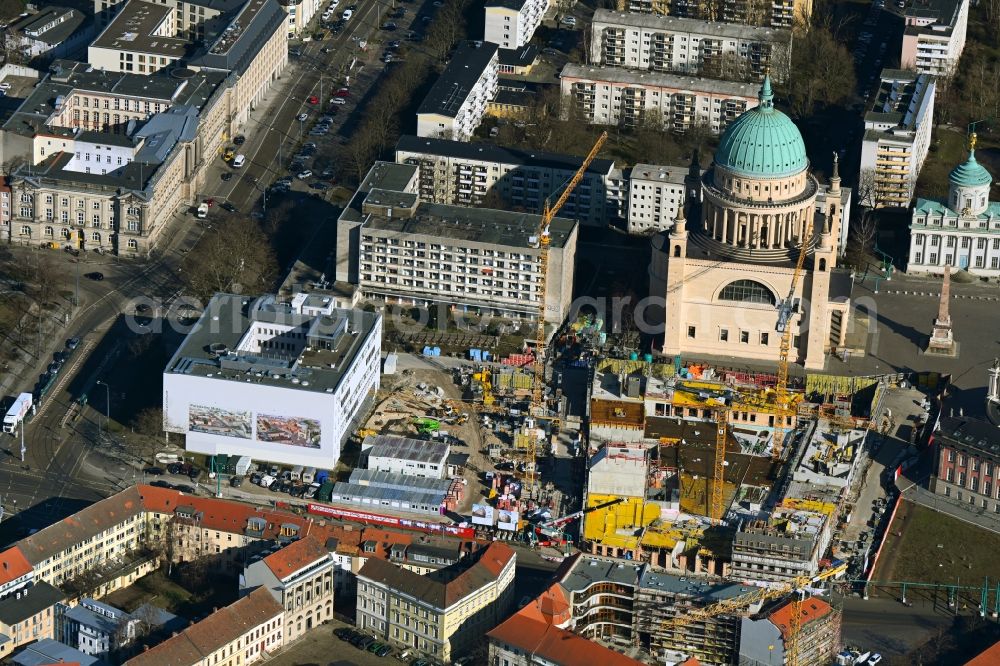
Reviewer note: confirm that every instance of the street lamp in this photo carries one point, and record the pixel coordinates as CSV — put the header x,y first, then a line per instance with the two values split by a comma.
x,y
107,404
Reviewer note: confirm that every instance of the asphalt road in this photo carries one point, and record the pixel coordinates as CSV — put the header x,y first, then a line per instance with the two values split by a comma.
x,y
889,627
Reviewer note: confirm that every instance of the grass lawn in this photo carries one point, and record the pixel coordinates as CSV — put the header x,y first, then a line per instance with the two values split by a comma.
x,y
935,548
949,149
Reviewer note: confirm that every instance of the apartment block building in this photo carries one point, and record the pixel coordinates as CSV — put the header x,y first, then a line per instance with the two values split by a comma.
x,y
655,193
456,103
934,36
411,252
617,96
28,615
300,578
689,46
765,640
896,139
778,14
510,24
244,632
629,605
443,613
788,544
459,173
967,463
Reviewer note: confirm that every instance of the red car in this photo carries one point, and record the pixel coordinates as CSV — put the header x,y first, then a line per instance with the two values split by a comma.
x,y
210,202
343,92
313,99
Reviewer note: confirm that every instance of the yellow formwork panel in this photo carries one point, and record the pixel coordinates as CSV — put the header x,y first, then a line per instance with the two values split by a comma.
x,y
816,506
602,525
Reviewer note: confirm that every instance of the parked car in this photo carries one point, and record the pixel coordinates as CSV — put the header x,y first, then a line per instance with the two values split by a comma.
x,y
321,186
390,26
304,174
569,21
383,651
339,101
72,343
153,471
239,139
96,276
302,117
344,633
348,13
376,646
227,176
160,483
312,99
255,478
228,206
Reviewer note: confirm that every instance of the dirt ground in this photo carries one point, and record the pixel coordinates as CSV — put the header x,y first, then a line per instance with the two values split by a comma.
x,y
400,401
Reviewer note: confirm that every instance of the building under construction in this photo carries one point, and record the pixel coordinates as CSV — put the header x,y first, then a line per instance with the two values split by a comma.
x,y
765,641
787,544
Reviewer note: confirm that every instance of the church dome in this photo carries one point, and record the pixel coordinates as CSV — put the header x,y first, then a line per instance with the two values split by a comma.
x,y
970,173
763,141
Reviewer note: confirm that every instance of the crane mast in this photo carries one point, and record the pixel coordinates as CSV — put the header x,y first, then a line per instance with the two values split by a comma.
x,y
538,408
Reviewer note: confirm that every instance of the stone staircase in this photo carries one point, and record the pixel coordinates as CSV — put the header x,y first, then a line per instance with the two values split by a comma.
x,y
700,241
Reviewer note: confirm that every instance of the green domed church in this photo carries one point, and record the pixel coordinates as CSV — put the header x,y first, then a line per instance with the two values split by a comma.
x,y
730,257
962,231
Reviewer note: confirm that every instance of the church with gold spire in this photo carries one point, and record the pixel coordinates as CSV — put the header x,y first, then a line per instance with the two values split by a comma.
x,y
962,231
729,259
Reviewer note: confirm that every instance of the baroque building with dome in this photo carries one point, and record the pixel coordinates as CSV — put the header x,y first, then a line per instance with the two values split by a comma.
x,y
754,209
962,231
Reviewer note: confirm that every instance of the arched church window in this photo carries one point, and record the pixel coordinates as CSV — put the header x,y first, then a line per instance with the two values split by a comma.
x,y
747,291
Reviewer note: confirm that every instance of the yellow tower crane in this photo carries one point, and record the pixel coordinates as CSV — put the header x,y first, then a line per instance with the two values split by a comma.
x,y
538,409
741,607
782,405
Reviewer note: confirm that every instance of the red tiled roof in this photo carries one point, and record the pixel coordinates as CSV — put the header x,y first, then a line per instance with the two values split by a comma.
x,y
989,657
559,646
295,556
812,609
13,565
215,631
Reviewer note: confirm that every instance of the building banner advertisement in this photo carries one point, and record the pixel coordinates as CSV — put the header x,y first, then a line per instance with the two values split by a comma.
x,y
507,520
483,514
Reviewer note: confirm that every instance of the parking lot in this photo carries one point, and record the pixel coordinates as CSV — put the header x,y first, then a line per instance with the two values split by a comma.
x,y
320,647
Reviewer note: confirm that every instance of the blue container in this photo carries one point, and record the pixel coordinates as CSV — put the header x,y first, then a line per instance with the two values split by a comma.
x,y
648,358
633,356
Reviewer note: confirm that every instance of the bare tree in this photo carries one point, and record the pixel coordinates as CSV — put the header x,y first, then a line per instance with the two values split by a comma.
x,y
235,258
822,72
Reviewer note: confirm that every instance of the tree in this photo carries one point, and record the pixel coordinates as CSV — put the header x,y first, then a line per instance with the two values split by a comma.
x,y
236,257
822,72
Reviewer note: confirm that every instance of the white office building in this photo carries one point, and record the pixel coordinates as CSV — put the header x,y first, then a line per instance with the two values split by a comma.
x,y
457,172
897,137
284,382
617,96
688,46
934,37
402,455
510,24
456,103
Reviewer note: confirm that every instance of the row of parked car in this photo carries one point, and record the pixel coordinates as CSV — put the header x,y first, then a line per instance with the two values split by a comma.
x,y
363,641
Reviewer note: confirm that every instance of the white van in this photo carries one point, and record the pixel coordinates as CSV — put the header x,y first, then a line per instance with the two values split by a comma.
x,y
296,474
202,211
266,481
239,161
308,475
167,458
348,13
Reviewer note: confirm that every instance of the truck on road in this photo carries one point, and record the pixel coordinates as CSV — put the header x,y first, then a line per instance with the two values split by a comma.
x,y
17,413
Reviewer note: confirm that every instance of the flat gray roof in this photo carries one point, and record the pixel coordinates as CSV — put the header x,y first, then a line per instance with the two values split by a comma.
x,y
659,79
405,448
705,589
690,26
661,173
226,320
487,152
588,570
476,225
900,96
235,38
453,86
132,30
